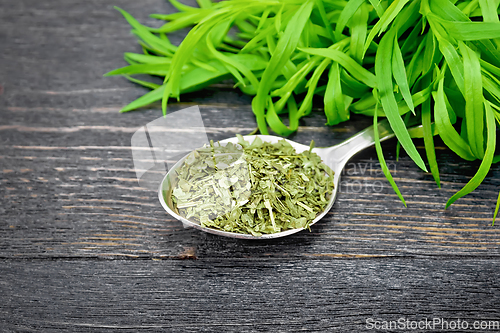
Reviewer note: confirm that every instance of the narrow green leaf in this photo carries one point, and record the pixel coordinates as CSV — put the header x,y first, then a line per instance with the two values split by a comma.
x,y
287,44
487,161
326,22
489,9
263,18
416,65
146,58
386,19
359,28
431,53
381,159
335,108
429,141
143,33
492,85
178,22
496,210
447,10
490,67
276,123
182,7
455,63
473,100
146,99
347,13
399,73
446,130
143,83
347,62
184,52
298,77
156,69
406,119
389,103
204,3
352,87
489,51
471,30
378,7
232,63
408,17
311,84
414,39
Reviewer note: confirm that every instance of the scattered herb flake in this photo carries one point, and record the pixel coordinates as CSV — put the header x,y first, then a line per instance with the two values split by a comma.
x,y
252,188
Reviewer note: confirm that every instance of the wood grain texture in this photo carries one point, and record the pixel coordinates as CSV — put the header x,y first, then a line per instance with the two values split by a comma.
x,y
70,190
69,197
69,187
228,295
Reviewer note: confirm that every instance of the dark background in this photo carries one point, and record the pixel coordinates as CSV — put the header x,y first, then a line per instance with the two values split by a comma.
x,y
84,248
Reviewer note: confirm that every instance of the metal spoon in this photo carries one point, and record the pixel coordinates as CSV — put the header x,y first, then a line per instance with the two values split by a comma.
x,y
335,157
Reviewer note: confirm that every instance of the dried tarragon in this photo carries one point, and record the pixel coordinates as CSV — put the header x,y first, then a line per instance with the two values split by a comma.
x,y
256,188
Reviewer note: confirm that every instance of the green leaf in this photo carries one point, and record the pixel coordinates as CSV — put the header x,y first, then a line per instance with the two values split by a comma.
x,y
359,28
275,122
447,10
489,9
380,155
180,21
143,33
185,51
347,62
232,62
445,129
147,59
496,210
182,7
204,3
335,108
487,161
386,19
473,100
489,51
286,44
326,22
429,141
454,62
146,99
383,73
311,84
466,31
399,73
146,84
378,7
347,13
161,70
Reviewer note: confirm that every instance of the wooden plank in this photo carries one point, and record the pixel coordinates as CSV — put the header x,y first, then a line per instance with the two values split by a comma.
x,y
244,296
69,198
66,169
71,191
80,219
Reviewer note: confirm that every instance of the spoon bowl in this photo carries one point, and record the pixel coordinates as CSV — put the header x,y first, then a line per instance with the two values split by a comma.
x,y
334,157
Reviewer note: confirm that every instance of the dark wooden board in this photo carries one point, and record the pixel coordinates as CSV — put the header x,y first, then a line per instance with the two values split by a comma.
x,y
228,295
69,189
69,197
68,181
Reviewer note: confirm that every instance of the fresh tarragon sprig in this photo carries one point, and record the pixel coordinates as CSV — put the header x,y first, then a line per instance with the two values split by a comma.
x,y
434,62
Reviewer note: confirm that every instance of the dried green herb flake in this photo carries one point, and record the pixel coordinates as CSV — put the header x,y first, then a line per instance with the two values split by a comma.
x,y
252,188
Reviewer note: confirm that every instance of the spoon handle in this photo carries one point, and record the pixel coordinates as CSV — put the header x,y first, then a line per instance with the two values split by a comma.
x,y
337,156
